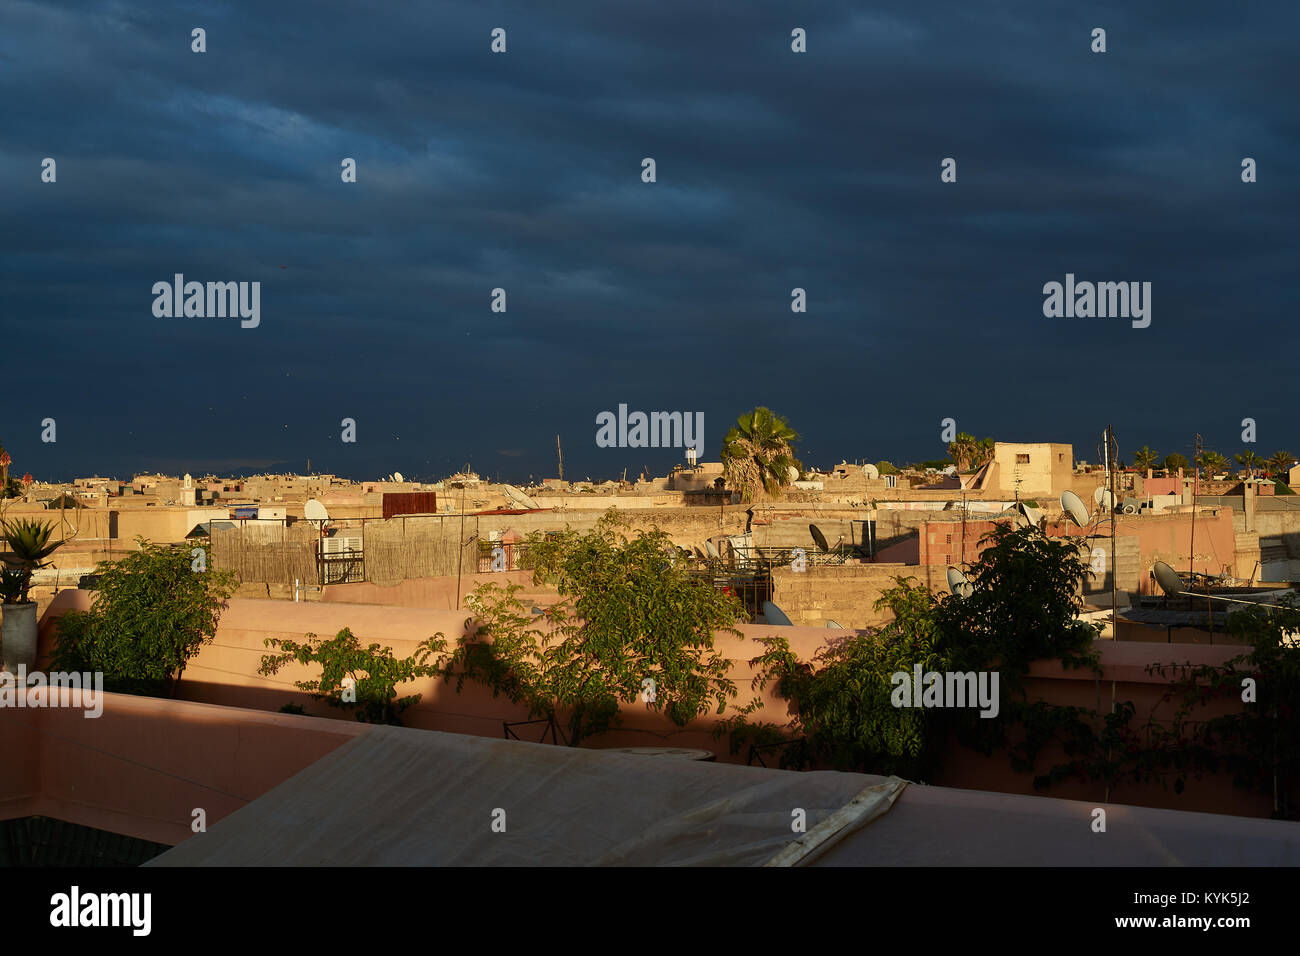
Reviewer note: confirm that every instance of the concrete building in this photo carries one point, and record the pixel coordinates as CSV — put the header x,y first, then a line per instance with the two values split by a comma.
x,y
1031,470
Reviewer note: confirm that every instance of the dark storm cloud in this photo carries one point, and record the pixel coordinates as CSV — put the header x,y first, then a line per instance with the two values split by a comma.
x,y
522,171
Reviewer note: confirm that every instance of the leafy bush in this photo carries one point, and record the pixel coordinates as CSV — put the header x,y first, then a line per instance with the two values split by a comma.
x,y
152,613
630,613
1021,608
843,713
363,679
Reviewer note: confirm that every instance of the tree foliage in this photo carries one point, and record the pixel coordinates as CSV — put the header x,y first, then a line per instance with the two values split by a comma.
x,y
1250,460
151,614
1212,462
758,454
1279,463
629,612
842,713
1022,608
969,452
361,679
1145,458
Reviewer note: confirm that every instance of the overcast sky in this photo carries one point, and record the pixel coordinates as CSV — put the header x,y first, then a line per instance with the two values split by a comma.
x,y
522,170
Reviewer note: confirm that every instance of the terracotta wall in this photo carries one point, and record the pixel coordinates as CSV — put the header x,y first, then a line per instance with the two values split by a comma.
x,y
226,673
145,765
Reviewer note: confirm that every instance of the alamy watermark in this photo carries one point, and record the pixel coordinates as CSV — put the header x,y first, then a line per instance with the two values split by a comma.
x,y
656,430
949,689
57,689
129,910
1102,300
212,300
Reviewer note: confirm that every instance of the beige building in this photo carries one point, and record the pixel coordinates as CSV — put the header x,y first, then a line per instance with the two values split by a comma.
x,y
1030,470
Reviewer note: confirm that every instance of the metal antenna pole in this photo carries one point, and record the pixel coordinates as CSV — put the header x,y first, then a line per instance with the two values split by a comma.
x,y
460,542
1113,460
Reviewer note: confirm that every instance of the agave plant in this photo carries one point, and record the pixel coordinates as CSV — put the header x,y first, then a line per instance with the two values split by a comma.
x,y
29,542
11,586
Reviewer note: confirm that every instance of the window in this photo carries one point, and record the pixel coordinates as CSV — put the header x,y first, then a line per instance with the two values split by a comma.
x,y
1022,459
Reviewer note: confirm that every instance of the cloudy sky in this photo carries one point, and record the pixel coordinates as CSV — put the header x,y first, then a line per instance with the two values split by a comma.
x,y
522,170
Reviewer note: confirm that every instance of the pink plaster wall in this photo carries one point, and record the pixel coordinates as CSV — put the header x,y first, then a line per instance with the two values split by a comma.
x,y
225,673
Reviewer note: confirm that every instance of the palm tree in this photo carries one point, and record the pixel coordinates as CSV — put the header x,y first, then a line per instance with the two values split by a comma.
x,y
758,454
1144,458
963,450
1212,462
1280,463
983,451
1250,460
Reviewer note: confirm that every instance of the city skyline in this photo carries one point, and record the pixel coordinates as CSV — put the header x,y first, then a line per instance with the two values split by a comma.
x,y
522,171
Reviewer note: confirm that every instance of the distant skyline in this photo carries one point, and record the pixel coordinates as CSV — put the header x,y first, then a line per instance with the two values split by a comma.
x,y
522,170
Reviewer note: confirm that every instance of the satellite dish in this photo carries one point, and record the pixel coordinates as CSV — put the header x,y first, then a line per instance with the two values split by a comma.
x,y
871,472
834,624
313,510
818,537
792,473
700,554
775,615
397,476
1103,497
712,551
958,584
1032,514
950,470
1074,508
1168,578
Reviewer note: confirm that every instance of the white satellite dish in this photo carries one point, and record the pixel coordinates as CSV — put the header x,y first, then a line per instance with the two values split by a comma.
x,y
834,624
1032,515
397,476
871,472
313,510
1074,508
775,615
712,551
958,584
792,473
1168,578
1103,497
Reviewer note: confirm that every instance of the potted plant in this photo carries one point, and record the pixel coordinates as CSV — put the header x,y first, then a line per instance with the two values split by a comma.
x,y
29,546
